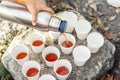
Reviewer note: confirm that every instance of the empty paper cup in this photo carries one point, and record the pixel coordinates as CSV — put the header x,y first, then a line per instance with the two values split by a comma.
x,y
114,3
94,41
71,19
66,43
47,77
20,52
82,28
81,54
62,69
50,55
54,35
31,70
37,41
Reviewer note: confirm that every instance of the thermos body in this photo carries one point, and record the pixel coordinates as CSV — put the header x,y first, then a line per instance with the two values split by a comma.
x,y
19,14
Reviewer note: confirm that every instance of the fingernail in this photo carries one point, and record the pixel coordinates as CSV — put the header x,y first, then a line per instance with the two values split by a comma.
x,y
33,23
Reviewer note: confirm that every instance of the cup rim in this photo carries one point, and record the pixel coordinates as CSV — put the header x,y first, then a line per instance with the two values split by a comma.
x,y
89,53
58,56
87,22
25,47
24,73
74,42
37,33
70,70
101,36
66,13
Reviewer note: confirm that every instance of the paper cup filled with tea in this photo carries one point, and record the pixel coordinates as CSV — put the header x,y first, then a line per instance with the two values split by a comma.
x,y
66,42
20,52
50,55
31,70
62,69
95,41
37,41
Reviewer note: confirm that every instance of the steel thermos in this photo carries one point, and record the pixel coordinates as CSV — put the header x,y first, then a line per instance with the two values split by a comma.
x,y
19,14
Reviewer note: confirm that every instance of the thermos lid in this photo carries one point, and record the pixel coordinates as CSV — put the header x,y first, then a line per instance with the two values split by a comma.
x,y
62,26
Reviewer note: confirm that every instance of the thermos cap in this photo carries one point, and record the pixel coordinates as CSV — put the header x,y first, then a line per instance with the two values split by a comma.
x,y
62,26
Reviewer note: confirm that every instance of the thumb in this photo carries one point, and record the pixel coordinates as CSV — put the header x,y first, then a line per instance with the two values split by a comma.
x,y
34,18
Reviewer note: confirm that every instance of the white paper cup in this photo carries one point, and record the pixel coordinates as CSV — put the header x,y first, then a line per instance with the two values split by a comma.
x,y
31,64
60,63
114,3
81,54
82,28
94,41
50,49
70,17
69,37
47,77
16,50
36,36
54,35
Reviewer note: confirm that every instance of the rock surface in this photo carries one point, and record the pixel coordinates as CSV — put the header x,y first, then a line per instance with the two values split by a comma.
x,y
102,7
98,64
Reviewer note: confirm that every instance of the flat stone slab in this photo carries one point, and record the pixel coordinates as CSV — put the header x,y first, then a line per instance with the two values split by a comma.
x,y
98,64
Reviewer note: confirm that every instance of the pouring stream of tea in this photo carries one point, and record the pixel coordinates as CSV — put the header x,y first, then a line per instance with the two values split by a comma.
x,y
67,41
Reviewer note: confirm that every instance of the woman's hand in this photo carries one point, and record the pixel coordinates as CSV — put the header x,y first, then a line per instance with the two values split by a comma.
x,y
34,6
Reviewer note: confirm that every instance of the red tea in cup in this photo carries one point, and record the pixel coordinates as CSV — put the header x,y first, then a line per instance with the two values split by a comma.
x,y
21,55
62,70
37,43
51,57
67,44
32,72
